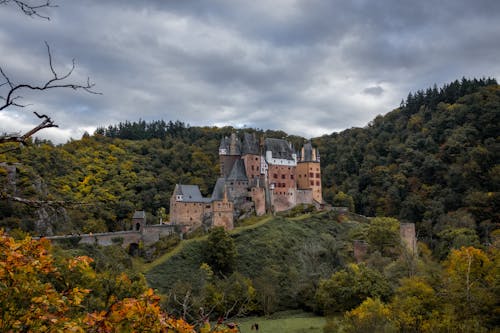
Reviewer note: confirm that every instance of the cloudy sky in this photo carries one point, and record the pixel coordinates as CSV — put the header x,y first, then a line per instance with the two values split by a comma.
x,y
307,67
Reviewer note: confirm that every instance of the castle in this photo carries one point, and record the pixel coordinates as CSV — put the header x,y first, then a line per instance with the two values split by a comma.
x,y
256,175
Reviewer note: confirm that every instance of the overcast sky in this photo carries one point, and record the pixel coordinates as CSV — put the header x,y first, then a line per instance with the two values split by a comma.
x,y
307,67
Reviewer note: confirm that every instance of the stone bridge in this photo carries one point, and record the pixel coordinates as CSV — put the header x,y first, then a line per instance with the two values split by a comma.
x,y
147,234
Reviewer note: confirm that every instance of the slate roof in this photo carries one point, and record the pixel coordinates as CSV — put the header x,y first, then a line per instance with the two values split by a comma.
x,y
238,171
139,214
308,150
218,192
250,144
190,193
279,148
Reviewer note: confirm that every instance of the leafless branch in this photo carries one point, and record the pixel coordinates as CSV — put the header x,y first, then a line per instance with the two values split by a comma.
x,y
11,97
29,7
40,203
55,82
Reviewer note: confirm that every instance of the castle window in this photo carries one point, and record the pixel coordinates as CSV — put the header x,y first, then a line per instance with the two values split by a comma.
x,y
253,168
283,176
291,177
317,175
275,175
312,183
317,183
207,206
311,174
256,158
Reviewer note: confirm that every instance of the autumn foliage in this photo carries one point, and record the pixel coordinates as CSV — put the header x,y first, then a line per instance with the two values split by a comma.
x,y
39,294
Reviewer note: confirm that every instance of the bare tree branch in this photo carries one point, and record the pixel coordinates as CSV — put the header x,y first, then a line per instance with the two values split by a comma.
x,y
40,203
29,7
46,123
55,82
11,98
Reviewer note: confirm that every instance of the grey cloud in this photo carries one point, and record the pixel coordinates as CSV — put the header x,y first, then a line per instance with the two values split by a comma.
x,y
375,90
292,65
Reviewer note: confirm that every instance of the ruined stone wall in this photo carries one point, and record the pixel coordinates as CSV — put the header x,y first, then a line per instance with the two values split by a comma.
x,y
408,236
360,249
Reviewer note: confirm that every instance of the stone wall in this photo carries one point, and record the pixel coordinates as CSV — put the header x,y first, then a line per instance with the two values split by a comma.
x,y
223,214
360,249
149,235
188,213
259,199
152,233
408,236
304,197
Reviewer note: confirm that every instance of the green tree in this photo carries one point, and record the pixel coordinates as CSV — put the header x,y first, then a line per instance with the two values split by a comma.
x,y
220,251
471,280
349,287
383,234
343,200
414,304
370,316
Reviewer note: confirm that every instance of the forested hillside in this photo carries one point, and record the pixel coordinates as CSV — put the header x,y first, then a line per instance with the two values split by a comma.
x,y
101,179
432,161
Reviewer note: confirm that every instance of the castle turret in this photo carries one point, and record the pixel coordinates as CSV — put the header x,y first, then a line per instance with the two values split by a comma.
x,y
309,171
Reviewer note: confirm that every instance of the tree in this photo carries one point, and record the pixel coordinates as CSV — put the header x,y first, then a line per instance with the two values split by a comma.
x,y
349,287
220,251
470,282
30,8
383,234
371,316
43,293
413,304
29,298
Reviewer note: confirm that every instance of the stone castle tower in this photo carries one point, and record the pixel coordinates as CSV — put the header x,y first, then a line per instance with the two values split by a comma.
x,y
309,171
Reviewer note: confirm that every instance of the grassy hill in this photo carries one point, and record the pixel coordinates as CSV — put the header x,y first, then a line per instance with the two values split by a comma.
x,y
284,257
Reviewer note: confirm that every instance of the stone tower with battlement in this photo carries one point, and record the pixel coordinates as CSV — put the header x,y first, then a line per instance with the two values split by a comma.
x,y
309,171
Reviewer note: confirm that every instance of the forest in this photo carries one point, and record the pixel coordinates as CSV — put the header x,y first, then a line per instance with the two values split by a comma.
x,y
434,161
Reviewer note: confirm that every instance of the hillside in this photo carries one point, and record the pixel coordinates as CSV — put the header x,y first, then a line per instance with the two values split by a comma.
x,y
433,161
283,257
